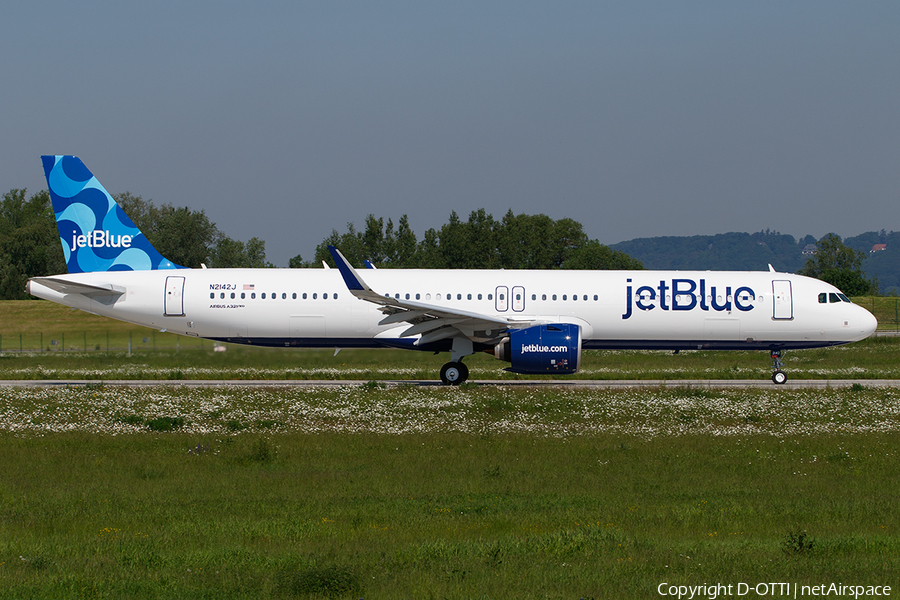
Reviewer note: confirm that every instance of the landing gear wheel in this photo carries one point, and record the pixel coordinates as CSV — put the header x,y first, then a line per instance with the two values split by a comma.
x,y
454,373
778,376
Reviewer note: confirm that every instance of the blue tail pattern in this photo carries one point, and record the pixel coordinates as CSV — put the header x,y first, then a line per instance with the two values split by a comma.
x,y
95,234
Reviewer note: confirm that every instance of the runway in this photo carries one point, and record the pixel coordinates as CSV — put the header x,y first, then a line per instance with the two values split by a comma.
x,y
568,383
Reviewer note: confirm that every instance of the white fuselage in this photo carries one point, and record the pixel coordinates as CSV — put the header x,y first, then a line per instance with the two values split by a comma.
x,y
615,309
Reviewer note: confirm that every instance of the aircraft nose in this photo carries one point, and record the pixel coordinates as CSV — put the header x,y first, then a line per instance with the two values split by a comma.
x,y
868,323
871,323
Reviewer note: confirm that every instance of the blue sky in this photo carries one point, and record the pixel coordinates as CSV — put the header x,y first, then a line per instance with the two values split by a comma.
x,y
285,120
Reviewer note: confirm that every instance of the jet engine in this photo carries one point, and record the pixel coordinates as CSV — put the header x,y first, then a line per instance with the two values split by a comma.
x,y
552,348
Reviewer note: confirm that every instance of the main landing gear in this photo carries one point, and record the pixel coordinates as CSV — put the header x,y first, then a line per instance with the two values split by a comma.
x,y
454,373
778,376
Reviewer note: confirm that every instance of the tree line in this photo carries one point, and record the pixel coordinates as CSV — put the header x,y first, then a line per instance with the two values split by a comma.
x,y
30,244
481,242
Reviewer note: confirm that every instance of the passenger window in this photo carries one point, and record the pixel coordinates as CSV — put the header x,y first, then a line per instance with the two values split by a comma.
x,y
543,296
595,298
490,296
294,296
554,296
274,296
565,297
315,296
325,296
232,295
468,296
479,296
212,295
283,296
417,296
304,296
253,295
534,296
243,295
335,295
222,296
459,296
263,295
407,296
832,297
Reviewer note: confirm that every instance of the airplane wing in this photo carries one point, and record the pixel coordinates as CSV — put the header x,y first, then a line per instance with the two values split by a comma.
x,y
432,322
65,286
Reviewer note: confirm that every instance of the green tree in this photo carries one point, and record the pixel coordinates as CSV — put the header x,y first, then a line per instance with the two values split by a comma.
x,y
481,242
839,265
188,237
595,256
29,241
229,253
183,236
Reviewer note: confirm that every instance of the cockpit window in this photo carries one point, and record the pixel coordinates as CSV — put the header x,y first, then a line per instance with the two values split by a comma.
x,y
844,298
832,297
823,298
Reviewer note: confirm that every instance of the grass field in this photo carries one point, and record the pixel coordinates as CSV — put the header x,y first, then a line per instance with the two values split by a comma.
x,y
472,492
875,358
476,492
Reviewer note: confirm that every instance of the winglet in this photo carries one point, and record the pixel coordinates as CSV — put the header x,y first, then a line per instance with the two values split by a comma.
x,y
351,277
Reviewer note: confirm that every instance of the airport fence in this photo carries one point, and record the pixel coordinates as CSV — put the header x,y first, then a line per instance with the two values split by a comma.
x,y
885,308
100,341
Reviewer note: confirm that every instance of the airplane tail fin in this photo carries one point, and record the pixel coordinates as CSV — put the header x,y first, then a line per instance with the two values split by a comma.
x,y
95,234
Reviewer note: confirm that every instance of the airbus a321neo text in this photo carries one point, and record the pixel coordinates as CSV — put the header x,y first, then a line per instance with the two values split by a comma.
x,y
538,321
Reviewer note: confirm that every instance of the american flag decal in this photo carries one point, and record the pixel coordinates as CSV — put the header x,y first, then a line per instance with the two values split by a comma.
x,y
248,286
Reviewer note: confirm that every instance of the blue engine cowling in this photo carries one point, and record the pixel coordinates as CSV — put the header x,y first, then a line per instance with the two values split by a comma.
x,y
545,349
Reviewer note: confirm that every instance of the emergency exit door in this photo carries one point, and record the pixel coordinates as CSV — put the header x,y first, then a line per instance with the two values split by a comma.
x,y
783,304
174,296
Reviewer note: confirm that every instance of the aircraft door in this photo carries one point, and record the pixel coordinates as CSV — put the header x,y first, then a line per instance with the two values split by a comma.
x,y
501,298
518,298
782,304
174,296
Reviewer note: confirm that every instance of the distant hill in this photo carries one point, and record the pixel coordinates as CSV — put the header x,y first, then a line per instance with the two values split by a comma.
x,y
755,251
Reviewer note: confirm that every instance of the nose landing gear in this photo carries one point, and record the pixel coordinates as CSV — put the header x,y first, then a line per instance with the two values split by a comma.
x,y
778,376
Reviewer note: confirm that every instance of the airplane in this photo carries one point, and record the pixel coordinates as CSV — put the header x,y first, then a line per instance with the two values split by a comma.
x,y
539,321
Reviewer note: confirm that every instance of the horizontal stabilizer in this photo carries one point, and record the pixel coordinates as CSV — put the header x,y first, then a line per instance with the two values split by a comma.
x,y
64,286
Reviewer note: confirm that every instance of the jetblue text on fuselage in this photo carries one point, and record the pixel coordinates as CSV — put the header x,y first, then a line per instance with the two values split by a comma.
x,y
100,239
686,294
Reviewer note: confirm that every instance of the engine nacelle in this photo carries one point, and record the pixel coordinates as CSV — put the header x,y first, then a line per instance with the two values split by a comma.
x,y
540,349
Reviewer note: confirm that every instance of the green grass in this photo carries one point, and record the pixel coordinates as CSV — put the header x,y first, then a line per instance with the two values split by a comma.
x,y
443,492
38,325
875,358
